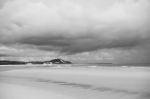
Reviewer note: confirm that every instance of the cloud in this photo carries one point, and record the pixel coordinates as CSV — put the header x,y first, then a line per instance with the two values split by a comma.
x,y
75,26
2,3
3,55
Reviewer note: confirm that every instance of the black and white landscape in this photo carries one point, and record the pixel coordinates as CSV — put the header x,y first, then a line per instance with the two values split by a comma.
x,y
74,49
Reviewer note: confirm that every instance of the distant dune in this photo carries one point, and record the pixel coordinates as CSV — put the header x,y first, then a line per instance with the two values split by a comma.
x,y
53,61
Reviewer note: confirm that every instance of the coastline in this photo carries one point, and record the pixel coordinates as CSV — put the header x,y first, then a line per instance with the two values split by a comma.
x,y
79,83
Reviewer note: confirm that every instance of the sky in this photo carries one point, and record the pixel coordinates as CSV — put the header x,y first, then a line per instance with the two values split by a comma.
x,y
114,31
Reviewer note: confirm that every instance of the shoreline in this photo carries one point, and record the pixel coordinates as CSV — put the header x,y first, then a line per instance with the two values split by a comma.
x,y
82,83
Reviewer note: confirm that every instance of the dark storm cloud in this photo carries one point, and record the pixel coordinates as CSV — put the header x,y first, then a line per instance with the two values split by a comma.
x,y
3,55
88,42
71,26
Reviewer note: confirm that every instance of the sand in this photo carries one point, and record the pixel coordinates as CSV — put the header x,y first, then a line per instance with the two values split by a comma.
x,y
75,83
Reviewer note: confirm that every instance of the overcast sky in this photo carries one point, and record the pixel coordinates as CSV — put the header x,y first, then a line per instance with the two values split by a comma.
x,y
115,31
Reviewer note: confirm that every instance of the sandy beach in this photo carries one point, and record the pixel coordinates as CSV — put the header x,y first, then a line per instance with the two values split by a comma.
x,y
75,83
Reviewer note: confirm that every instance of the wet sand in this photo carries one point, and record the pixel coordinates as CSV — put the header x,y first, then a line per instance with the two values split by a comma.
x,y
74,83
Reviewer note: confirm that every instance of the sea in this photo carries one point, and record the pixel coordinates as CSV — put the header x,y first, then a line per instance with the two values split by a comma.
x,y
83,65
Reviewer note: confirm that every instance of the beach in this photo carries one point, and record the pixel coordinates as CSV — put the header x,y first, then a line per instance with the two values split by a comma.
x,y
60,82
